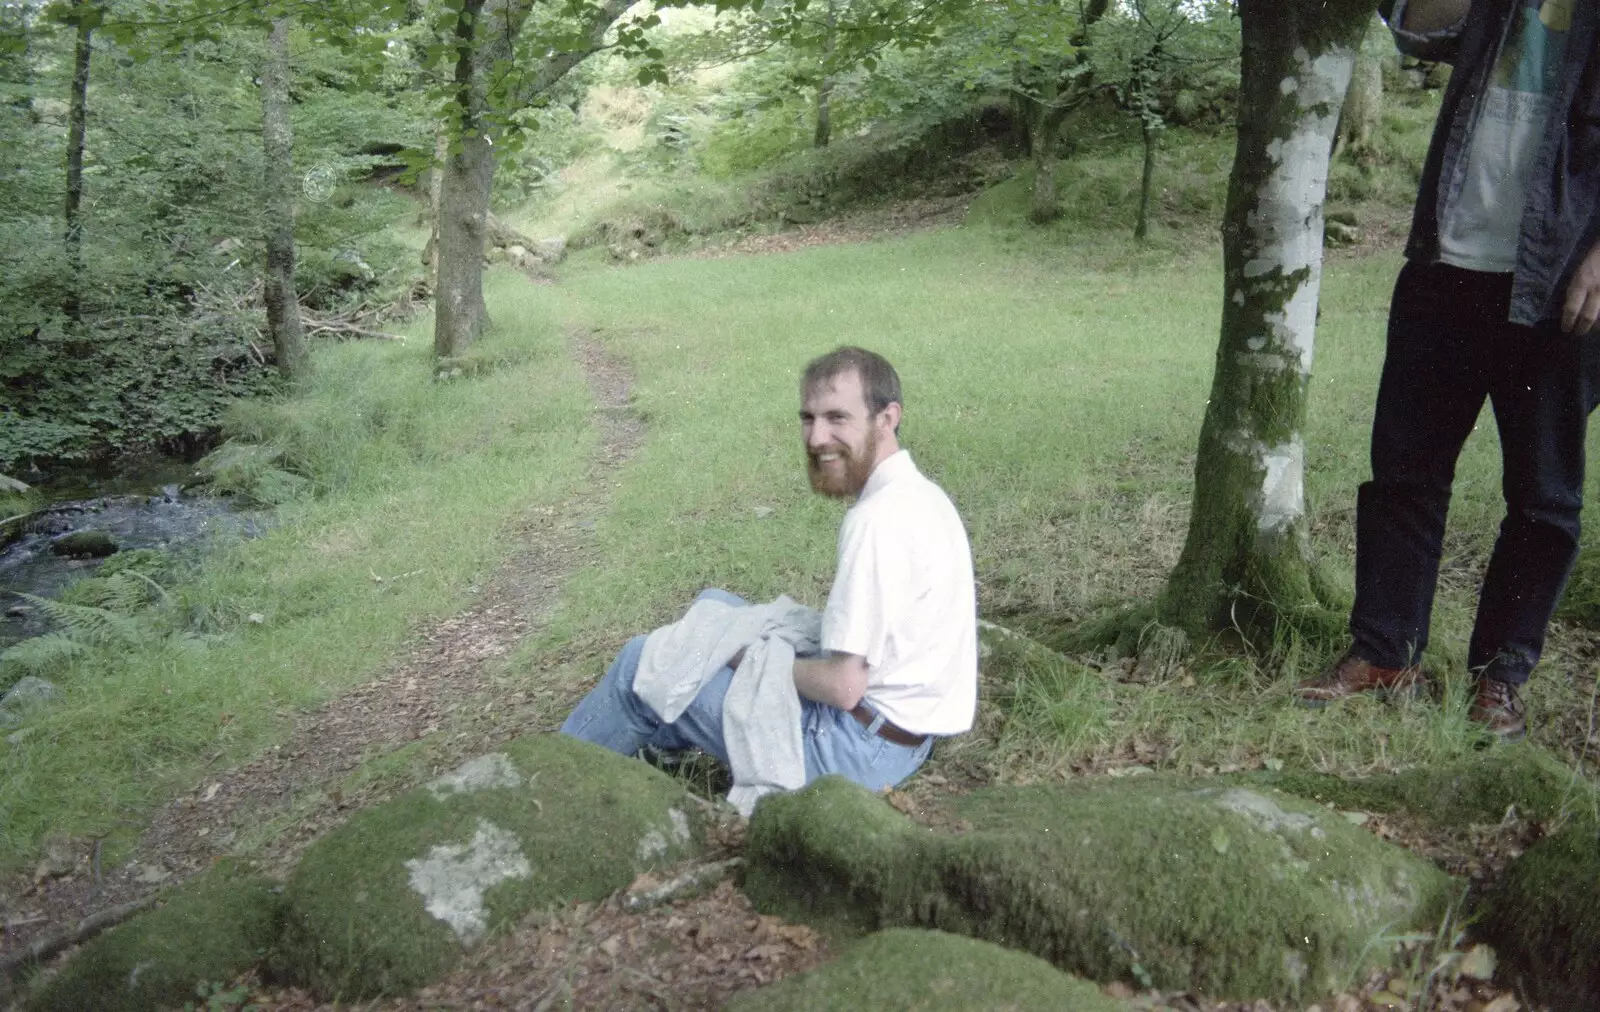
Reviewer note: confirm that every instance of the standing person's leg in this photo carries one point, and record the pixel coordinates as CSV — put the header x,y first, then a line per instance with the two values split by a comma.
x,y
835,742
614,716
1544,390
1429,398
1431,391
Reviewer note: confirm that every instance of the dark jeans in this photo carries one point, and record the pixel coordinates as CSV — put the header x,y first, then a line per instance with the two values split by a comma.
x,y
1449,347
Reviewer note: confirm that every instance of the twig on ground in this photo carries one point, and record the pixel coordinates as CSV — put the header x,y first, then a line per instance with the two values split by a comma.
x,y
45,947
689,881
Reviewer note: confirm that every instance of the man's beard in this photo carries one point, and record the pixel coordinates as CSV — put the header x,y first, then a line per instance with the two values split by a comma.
x,y
857,469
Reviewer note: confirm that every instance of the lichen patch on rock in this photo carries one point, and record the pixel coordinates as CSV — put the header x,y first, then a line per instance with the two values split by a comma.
x,y
485,773
452,879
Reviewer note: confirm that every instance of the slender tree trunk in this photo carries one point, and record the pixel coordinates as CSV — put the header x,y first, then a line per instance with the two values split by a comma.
x,y
1246,561
1141,227
277,141
468,176
1363,103
77,131
485,32
824,131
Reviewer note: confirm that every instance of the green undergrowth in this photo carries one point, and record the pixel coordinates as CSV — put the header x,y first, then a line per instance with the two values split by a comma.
x,y
906,970
407,487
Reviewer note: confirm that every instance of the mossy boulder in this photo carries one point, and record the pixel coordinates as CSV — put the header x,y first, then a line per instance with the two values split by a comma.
x,y
1474,788
1226,890
388,901
84,545
210,930
907,970
1543,917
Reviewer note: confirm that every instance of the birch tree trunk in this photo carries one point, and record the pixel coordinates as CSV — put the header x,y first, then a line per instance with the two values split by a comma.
x,y
1246,561
277,139
77,131
485,33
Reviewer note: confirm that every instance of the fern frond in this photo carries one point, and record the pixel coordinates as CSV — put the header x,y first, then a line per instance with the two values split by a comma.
x,y
40,654
94,626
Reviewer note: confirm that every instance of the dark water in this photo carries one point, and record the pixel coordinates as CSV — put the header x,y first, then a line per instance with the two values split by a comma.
x,y
139,509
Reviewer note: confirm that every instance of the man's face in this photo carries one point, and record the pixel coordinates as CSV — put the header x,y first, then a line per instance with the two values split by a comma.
x,y
843,442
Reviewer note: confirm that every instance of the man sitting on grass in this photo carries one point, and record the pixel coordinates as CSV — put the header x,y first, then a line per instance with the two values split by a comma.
x,y
898,656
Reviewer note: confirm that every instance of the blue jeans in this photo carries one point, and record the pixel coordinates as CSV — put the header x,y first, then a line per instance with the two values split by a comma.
x,y
1449,348
614,716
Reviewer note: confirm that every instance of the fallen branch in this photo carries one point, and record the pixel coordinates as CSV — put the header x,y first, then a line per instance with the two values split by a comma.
x,y
686,883
336,327
43,948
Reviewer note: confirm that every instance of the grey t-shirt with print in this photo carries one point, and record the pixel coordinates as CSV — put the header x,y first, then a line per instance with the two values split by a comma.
x,y
1480,227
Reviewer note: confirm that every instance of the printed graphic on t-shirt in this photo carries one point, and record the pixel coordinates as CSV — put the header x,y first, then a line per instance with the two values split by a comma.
x,y
1480,227
1530,61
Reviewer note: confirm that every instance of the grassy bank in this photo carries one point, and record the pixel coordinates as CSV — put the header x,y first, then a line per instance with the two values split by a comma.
x,y
416,484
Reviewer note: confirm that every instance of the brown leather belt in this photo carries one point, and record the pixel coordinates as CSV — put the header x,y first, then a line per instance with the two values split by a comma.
x,y
886,730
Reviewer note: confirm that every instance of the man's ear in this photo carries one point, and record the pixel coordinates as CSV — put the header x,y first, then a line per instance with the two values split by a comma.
x,y
890,416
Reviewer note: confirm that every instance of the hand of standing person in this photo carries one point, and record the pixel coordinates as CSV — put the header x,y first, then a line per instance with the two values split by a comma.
x,y
1582,308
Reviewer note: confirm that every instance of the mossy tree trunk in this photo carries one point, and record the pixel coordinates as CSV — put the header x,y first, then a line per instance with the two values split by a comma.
x,y
486,31
77,132
1363,103
1246,560
1048,113
277,137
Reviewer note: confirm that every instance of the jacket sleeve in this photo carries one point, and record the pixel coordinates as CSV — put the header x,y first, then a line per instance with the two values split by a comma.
x,y
1438,46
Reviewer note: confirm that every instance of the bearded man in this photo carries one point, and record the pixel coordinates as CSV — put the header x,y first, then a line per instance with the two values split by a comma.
x,y
861,690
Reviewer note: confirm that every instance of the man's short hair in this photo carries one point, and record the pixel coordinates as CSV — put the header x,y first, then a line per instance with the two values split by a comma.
x,y
880,384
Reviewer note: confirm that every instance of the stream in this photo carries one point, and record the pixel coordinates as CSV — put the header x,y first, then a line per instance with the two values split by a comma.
x,y
145,507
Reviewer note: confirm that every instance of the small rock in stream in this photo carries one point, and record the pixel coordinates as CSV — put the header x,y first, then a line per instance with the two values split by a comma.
x,y
84,545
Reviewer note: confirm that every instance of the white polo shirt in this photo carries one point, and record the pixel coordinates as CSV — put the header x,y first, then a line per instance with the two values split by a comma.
x,y
904,598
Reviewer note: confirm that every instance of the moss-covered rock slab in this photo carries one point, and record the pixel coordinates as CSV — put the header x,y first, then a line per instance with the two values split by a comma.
x,y
907,970
209,931
1544,919
1225,890
1475,788
388,901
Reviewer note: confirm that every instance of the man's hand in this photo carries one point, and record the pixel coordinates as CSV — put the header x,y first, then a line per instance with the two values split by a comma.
x,y
1582,307
837,679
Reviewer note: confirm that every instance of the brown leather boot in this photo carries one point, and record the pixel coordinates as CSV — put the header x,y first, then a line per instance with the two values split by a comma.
x,y
1351,675
1498,708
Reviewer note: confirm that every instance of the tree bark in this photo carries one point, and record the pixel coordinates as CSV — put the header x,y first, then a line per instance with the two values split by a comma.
x,y
1044,205
1363,103
1246,561
441,153
485,33
824,131
1141,227
277,141
77,132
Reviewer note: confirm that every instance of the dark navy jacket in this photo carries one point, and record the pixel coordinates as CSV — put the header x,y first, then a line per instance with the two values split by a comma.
x,y
1561,219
